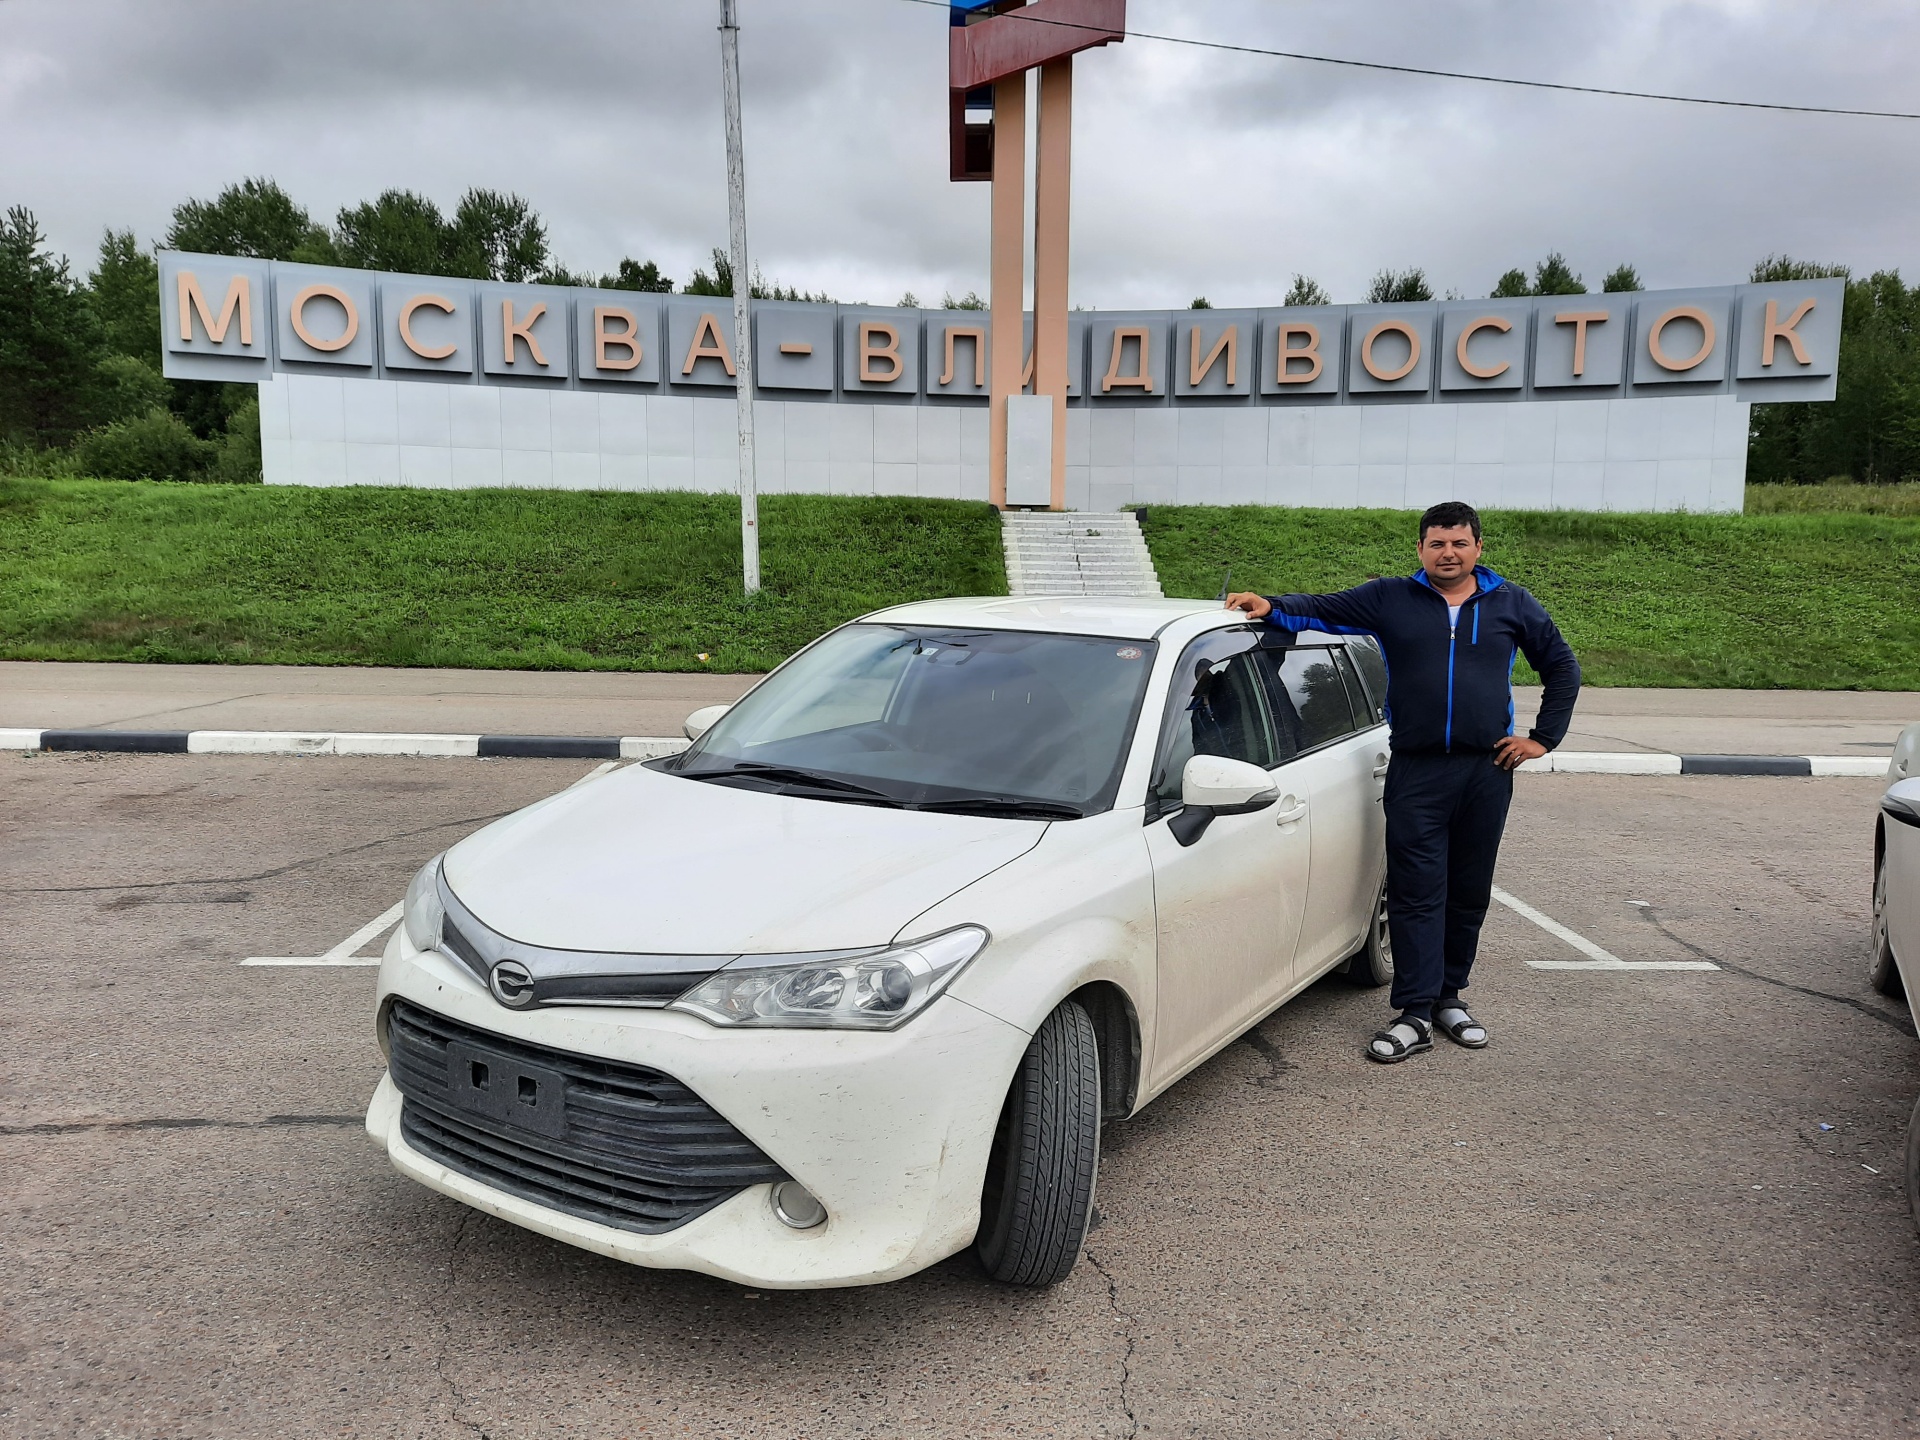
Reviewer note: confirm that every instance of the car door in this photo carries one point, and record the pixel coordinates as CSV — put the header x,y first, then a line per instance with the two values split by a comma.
x,y
1342,764
1227,907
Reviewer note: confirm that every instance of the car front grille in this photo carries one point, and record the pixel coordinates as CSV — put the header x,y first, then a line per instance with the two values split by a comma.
x,y
606,1141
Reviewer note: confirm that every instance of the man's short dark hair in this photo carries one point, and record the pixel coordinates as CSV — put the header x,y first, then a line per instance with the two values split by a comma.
x,y
1448,515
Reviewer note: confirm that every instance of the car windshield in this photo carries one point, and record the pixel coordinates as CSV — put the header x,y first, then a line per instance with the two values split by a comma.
x,y
993,721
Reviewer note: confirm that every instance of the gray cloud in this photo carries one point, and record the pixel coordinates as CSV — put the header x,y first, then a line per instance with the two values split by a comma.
x,y
1196,172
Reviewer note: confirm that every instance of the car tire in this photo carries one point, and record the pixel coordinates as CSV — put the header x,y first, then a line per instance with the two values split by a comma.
x,y
1884,973
1038,1196
1372,964
1913,1167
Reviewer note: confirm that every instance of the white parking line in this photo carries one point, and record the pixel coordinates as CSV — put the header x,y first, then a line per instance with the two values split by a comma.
x,y
345,953
1597,958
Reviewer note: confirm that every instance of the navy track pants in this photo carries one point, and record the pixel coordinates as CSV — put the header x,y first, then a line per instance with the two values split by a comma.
x,y
1445,815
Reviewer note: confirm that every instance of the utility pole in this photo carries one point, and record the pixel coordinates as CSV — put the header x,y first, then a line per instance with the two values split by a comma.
x,y
742,318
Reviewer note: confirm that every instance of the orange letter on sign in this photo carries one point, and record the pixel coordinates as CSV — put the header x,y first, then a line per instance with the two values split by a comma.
x,y
1681,312
1580,319
870,352
957,333
1140,379
708,344
191,302
627,339
1395,327
1481,372
509,332
1285,354
297,316
1773,330
1197,368
438,302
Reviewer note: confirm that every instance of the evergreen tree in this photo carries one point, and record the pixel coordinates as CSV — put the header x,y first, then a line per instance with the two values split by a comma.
x,y
1305,290
1511,285
1621,278
1553,276
50,342
124,290
255,217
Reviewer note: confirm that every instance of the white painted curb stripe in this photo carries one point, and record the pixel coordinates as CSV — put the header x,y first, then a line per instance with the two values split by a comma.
x,y
19,739
1605,762
1848,764
650,747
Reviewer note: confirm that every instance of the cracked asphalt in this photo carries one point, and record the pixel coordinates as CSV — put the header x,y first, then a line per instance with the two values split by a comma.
x,y
1625,1218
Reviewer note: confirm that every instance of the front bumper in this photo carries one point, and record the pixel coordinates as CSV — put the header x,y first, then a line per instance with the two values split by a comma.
x,y
889,1130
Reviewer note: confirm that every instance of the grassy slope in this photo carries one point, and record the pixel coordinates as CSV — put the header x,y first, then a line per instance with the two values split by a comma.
x,y
1804,601
1834,499
108,570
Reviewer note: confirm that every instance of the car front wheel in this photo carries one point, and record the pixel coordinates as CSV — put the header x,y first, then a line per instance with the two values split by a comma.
x,y
1046,1152
1883,974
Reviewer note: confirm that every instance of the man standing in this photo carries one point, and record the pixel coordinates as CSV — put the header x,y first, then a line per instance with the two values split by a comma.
x,y
1450,632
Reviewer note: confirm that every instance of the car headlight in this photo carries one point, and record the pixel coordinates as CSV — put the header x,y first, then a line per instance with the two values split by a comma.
x,y
422,912
875,991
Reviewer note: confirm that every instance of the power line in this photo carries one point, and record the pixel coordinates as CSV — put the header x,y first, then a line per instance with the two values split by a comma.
x,y
1454,74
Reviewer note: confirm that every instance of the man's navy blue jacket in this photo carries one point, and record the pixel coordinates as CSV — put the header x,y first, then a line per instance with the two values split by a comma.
x,y
1450,690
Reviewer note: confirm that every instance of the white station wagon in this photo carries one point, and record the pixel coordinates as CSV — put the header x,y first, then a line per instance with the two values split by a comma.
x,y
853,982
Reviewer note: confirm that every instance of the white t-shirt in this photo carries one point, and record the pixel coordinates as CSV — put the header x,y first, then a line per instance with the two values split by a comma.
x,y
1453,617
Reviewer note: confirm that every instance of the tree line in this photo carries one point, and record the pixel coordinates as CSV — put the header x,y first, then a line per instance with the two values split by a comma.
x,y
81,389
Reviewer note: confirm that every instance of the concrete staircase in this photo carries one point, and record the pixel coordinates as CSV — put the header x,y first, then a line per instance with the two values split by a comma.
x,y
1081,553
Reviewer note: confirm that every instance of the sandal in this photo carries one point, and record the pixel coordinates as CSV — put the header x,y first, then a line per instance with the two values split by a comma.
x,y
1458,1026
1407,1036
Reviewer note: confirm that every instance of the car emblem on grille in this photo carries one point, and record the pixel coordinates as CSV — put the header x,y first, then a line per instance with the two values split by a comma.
x,y
512,984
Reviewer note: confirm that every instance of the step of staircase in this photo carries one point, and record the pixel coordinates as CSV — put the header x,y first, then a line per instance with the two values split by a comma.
x,y
1077,553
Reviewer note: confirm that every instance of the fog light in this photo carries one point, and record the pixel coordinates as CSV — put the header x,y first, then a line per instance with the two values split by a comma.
x,y
795,1206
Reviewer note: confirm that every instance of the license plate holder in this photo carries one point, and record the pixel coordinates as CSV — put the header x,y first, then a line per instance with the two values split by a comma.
x,y
502,1088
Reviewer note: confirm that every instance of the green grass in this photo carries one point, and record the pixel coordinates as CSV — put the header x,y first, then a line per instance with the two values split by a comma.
x,y
1807,601
112,570
1839,497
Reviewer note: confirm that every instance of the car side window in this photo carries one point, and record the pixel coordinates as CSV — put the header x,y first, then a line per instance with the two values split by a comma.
x,y
1216,705
1310,697
1372,665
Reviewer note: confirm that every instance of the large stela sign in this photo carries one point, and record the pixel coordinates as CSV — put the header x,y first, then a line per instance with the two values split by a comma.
x,y
242,319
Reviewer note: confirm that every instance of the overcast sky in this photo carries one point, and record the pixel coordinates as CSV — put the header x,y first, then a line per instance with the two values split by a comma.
x,y
1196,172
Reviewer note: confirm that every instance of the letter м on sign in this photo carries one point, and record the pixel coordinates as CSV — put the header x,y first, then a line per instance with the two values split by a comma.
x,y
215,316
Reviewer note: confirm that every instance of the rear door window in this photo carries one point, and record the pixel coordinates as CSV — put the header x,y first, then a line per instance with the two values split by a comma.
x,y
1310,698
1372,666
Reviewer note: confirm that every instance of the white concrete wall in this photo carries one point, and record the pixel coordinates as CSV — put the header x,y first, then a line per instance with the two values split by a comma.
x,y
1669,453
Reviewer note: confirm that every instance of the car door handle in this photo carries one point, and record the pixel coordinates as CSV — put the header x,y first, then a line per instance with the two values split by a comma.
x,y
1380,769
1287,817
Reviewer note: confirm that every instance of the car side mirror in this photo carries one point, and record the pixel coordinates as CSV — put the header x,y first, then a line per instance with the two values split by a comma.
x,y
1213,785
702,720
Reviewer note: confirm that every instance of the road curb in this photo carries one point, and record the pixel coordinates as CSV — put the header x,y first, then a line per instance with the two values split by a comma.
x,y
323,742
646,747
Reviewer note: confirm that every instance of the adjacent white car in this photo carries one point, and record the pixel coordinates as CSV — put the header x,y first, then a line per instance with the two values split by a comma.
x,y
1896,909
852,983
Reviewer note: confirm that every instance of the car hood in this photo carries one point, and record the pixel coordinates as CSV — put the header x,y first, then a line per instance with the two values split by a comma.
x,y
646,862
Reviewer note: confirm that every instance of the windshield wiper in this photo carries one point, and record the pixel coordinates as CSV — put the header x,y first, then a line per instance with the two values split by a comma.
x,y
1004,805
791,775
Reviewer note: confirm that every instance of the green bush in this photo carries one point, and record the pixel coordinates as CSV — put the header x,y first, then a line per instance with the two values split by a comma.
x,y
238,460
155,445
128,389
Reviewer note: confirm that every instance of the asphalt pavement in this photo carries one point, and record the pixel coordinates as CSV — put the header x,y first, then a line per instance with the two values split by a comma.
x,y
1625,1218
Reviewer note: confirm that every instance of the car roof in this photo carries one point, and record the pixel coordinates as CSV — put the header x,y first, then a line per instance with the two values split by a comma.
x,y
1124,617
